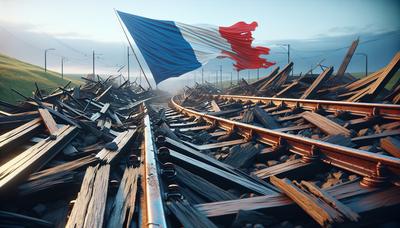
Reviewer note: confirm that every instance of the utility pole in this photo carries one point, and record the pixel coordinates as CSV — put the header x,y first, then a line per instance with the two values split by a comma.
x,y
216,78
140,77
366,61
288,54
237,77
258,73
45,57
231,77
93,65
202,75
62,67
220,70
128,66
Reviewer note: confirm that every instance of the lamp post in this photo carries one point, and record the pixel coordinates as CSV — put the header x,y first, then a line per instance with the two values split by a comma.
x,y
62,66
366,61
288,53
45,57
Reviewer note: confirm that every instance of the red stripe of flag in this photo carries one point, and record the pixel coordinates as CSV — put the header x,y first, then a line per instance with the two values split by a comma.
x,y
240,37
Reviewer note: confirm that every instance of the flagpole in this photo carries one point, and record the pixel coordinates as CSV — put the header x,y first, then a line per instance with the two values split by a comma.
x,y
134,53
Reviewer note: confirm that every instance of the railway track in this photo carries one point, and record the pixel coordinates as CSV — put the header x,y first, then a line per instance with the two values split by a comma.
x,y
107,156
242,161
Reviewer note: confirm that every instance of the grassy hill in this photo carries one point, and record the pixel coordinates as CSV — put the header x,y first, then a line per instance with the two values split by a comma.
x,y
22,76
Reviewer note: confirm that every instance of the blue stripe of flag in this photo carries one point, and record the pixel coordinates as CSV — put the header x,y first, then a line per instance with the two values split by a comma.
x,y
162,45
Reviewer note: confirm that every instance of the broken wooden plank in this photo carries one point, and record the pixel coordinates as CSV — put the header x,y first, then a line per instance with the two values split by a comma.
x,y
59,175
89,207
324,124
35,157
247,116
19,134
241,156
265,119
346,193
362,140
311,91
294,128
324,195
239,181
386,75
216,145
188,215
391,145
124,203
109,153
287,88
312,206
373,90
102,95
104,109
48,120
214,106
280,168
347,58
201,186
277,80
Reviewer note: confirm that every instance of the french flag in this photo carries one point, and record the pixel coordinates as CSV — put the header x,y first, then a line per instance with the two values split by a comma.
x,y
171,49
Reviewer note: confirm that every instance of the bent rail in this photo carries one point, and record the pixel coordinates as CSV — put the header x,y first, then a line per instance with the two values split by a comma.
x,y
389,111
375,168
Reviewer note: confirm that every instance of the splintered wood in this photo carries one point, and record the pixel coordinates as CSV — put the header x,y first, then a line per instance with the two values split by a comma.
x,y
120,143
326,125
89,207
48,120
124,204
36,156
321,212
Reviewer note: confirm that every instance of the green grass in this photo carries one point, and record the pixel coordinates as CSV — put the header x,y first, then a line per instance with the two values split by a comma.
x,y
21,76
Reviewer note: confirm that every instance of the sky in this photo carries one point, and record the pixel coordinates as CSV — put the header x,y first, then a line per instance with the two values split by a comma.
x,y
76,27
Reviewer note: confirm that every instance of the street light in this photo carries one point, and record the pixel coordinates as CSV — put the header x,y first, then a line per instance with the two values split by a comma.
x,y
366,61
62,66
288,53
45,57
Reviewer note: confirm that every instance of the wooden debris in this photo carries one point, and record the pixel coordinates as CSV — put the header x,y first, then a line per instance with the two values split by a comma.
x,y
201,186
48,120
280,168
35,157
89,207
326,125
215,106
265,119
347,58
120,143
241,156
391,145
59,175
124,203
188,215
311,91
343,209
19,134
322,214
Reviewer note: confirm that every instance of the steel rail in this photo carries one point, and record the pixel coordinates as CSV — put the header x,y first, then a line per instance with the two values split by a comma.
x,y
375,168
155,214
389,111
